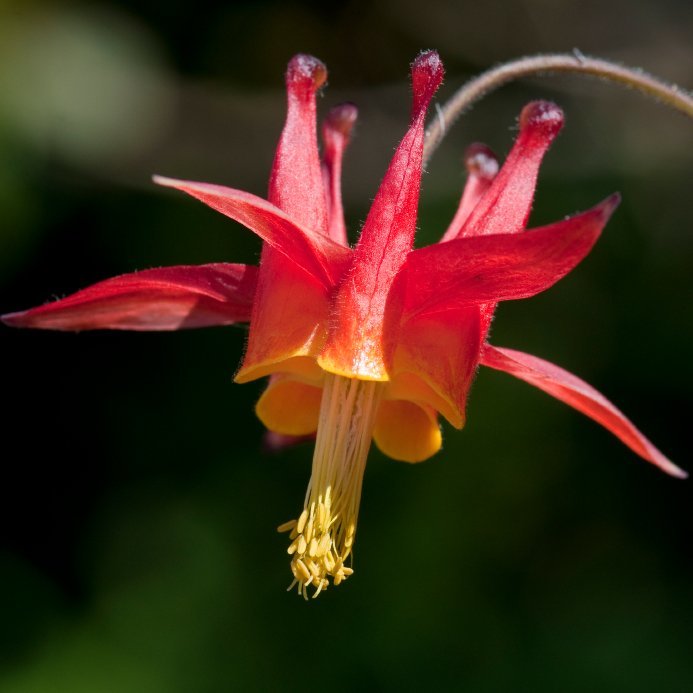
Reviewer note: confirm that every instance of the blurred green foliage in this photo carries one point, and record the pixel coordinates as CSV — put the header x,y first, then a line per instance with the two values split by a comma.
x,y
138,547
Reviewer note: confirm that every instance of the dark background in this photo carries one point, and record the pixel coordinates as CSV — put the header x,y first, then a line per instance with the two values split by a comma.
x,y
137,542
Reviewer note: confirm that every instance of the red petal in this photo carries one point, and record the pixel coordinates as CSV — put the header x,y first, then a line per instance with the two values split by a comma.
x,y
579,395
296,184
486,269
482,167
291,307
169,298
336,130
440,351
506,205
322,258
355,346
288,326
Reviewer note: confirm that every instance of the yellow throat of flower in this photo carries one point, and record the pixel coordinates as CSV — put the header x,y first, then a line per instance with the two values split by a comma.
x,y
322,537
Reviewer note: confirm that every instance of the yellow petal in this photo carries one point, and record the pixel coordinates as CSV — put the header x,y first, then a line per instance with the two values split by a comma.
x,y
406,431
289,406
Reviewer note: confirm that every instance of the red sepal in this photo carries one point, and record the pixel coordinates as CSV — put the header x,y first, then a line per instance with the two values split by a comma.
x,y
482,167
296,184
356,345
336,131
579,395
488,269
291,306
169,298
506,204
313,252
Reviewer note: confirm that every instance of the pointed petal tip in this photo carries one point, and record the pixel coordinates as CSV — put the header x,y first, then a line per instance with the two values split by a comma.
x,y
481,161
667,466
305,73
12,319
676,472
544,117
165,181
427,74
341,118
609,205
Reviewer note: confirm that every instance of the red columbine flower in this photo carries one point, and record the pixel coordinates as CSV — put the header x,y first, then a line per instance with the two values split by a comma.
x,y
373,341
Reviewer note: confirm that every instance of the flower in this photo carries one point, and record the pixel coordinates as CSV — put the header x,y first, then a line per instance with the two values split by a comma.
x,y
375,341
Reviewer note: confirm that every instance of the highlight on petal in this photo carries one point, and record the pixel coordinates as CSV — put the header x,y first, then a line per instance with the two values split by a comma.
x,y
578,394
313,252
482,269
406,431
296,184
289,407
356,343
336,131
506,205
482,167
169,298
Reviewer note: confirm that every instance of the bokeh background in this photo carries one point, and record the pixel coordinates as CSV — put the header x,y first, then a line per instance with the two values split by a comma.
x,y
137,541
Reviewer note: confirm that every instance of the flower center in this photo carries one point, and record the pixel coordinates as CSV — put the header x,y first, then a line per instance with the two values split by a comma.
x,y
322,537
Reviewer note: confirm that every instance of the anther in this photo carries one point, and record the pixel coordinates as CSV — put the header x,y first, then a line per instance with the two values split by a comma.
x,y
303,571
286,526
302,521
301,545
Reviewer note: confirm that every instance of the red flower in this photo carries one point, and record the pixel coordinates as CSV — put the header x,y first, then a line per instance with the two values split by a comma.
x,y
374,341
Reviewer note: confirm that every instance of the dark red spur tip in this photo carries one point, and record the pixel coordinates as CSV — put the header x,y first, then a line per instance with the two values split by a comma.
x,y
480,161
341,118
305,73
427,74
545,117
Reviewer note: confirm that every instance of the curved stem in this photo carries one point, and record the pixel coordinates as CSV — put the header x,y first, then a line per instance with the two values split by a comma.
x,y
472,91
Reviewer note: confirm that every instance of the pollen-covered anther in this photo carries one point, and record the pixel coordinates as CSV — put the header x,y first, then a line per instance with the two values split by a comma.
x,y
315,557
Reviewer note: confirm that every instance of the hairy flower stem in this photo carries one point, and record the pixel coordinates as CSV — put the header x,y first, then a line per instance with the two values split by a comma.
x,y
469,93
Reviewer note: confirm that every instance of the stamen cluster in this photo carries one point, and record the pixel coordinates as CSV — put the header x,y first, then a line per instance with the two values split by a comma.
x,y
322,537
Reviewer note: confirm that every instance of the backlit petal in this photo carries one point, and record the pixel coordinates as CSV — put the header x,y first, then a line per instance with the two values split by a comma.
x,y
289,330
169,298
357,345
483,269
313,252
579,395
440,350
291,306
482,167
336,130
296,184
506,204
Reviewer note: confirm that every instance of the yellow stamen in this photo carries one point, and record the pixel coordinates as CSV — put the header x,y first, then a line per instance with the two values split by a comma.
x,y
325,530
